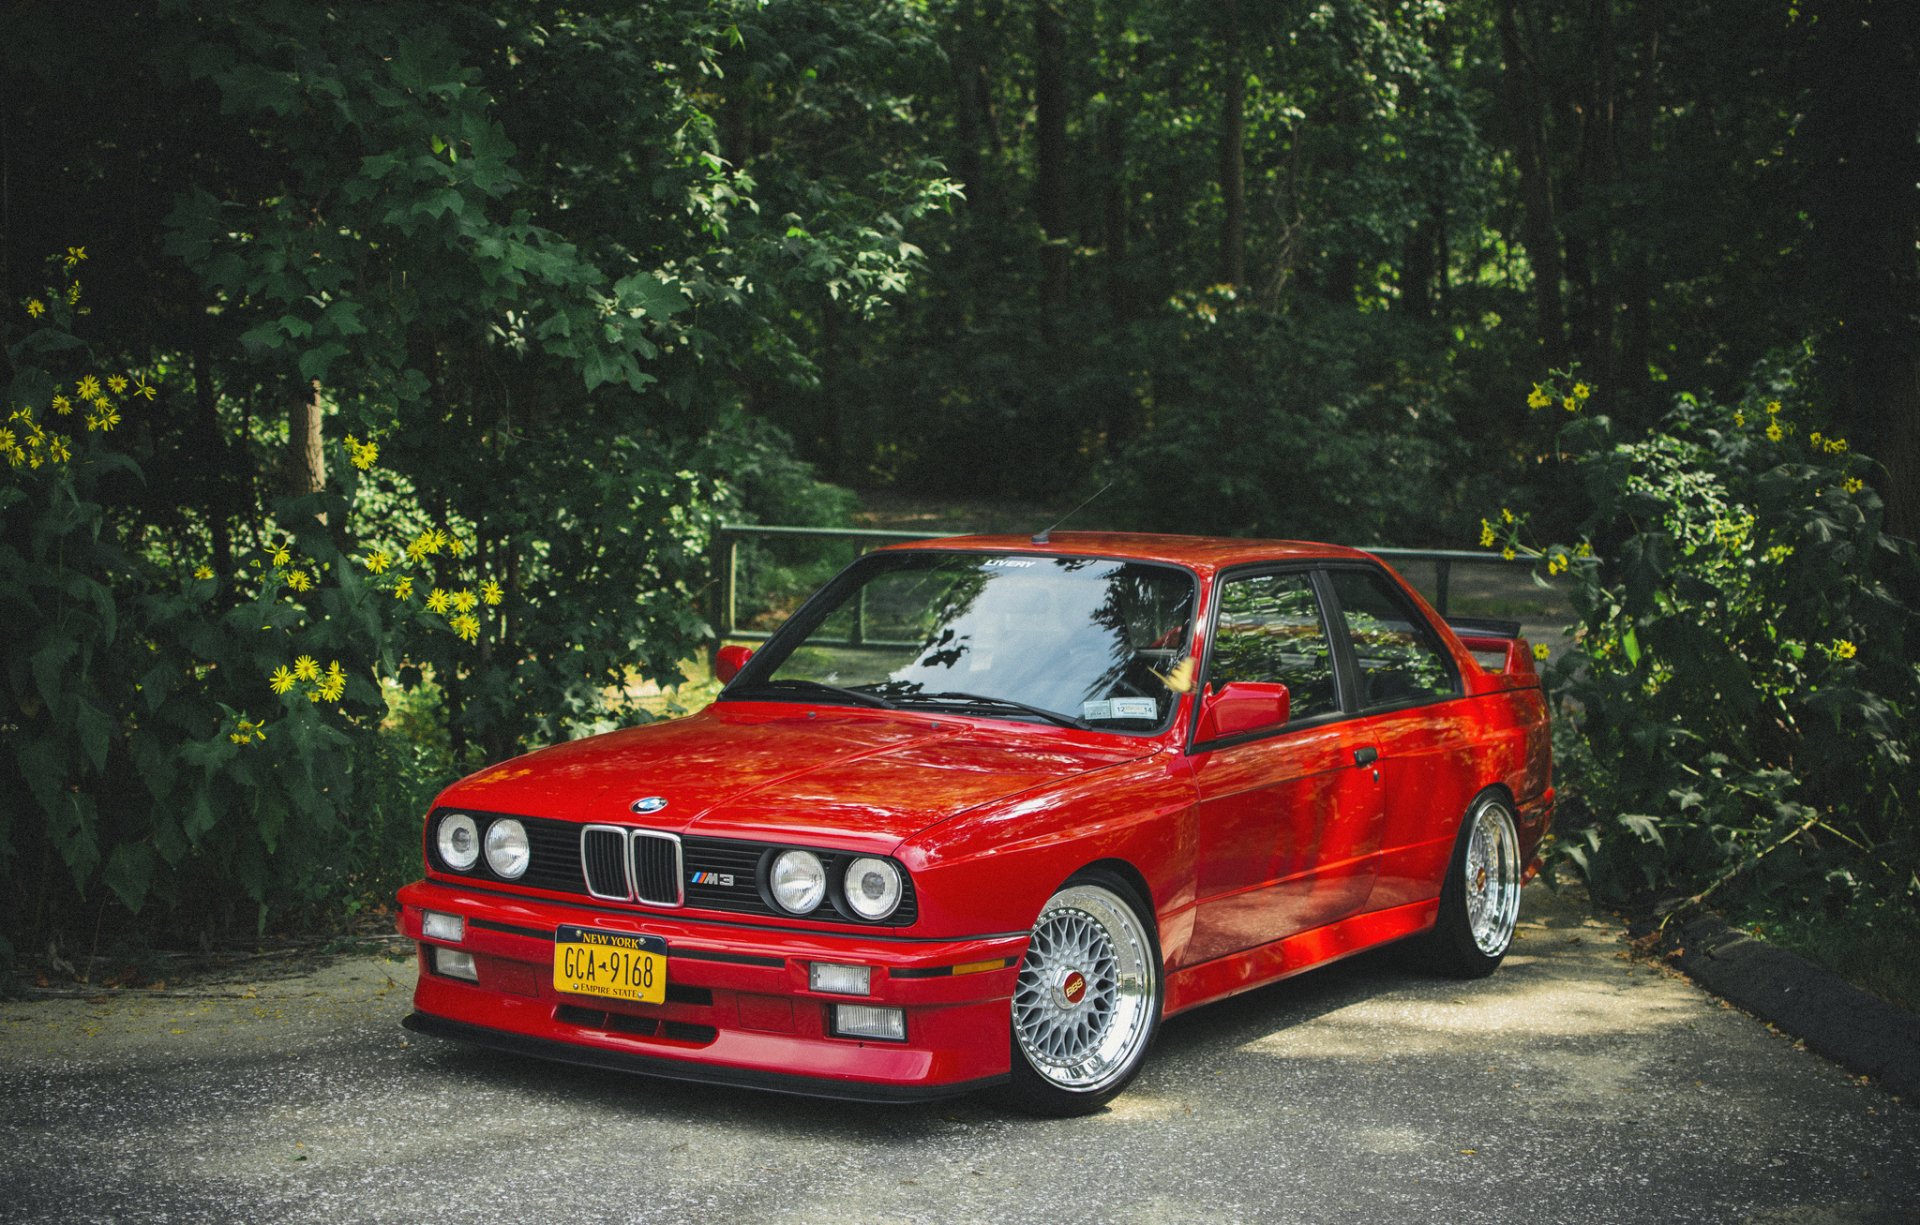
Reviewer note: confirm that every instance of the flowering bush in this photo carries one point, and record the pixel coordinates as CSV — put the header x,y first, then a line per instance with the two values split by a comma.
x,y
173,731
1743,697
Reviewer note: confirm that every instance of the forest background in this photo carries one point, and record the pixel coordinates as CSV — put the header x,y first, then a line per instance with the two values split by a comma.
x,y
376,375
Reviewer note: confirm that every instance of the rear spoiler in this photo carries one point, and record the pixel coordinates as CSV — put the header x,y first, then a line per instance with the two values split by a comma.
x,y
1497,646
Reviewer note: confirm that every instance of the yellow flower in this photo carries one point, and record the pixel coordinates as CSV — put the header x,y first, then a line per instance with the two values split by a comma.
x,y
281,680
1506,516
456,546
1853,484
298,580
335,683
58,451
463,601
1541,650
490,592
116,383
1538,398
1581,391
438,540
75,255
1773,408
437,601
1813,440
306,668
73,293
35,308
1487,535
404,589
1843,649
281,555
467,626
203,572
143,388
1508,553
422,545
1773,431
62,405
1739,418
88,387
1557,563
1570,404
1836,446
377,561
7,442
365,456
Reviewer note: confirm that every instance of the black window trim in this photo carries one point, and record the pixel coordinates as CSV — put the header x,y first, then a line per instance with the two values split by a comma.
x,y
1346,666
1344,648
810,613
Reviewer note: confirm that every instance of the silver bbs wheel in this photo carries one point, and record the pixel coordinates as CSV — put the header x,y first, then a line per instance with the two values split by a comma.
x,y
1083,1005
1491,879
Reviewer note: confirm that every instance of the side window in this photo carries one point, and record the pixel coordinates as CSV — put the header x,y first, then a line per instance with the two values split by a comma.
x,y
1400,659
1270,629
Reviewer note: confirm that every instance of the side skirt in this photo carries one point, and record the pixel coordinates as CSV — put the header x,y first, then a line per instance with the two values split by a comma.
x,y
1256,967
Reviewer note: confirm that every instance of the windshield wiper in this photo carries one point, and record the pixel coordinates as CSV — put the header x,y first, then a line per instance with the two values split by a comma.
x,y
981,699
857,696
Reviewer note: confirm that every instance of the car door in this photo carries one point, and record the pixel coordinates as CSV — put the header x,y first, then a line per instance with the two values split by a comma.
x,y
1407,692
1289,822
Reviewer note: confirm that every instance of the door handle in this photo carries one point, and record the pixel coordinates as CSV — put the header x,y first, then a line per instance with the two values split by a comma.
x,y
1366,756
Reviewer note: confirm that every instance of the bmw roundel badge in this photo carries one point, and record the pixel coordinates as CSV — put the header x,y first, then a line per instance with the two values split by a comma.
x,y
647,804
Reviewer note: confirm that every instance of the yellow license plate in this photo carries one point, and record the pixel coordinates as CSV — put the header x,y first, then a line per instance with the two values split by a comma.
x,y
614,965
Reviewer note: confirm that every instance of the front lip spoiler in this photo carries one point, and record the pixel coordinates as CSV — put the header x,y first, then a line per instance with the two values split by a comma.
x,y
674,1069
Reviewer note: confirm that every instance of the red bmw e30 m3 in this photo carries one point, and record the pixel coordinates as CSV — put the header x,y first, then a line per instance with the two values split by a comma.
x,y
985,811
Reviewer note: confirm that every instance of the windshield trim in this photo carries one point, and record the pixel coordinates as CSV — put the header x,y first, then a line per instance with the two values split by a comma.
x,y
750,685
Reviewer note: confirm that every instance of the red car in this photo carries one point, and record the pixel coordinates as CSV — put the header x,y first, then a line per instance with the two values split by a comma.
x,y
984,812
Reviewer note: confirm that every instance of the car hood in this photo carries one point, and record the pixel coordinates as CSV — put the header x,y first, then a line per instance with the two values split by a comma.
x,y
775,771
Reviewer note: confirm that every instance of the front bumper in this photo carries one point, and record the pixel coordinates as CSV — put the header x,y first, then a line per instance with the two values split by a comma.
x,y
739,1009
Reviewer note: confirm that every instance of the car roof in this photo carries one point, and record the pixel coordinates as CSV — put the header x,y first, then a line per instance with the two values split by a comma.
x,y
1200,553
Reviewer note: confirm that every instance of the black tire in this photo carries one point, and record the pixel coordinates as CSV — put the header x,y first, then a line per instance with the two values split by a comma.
x,y
1480,898
1086,1004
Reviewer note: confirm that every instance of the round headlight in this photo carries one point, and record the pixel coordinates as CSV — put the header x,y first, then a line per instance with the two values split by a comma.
x,y
799,882
873,887
459,842
507,849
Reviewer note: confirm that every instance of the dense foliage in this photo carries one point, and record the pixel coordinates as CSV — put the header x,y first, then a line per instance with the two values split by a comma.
x,y
577,281
1744,698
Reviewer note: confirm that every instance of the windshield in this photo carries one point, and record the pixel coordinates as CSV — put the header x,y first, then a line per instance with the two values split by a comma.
x,y
1084,641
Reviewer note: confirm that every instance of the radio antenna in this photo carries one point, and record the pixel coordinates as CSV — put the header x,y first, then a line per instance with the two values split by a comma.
x,y
1041,537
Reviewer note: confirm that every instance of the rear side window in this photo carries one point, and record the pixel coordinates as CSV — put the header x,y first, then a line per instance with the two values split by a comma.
x,y
1270,629
1399,658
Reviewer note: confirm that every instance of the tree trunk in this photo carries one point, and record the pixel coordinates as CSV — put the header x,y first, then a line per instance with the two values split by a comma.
x,y
1636,282
1233,141
1050,173
1593,326
306,460
1539,228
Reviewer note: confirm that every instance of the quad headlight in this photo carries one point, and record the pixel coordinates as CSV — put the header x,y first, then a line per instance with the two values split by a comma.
x,y
459,842
508,851
873,887
798,881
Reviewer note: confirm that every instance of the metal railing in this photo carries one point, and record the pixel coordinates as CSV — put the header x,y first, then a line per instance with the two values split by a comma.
x,y
724,612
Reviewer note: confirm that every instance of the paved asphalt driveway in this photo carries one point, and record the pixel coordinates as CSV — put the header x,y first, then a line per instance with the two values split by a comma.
x,y
1575,1085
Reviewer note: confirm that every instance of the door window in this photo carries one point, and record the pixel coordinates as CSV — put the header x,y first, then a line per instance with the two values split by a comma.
x,y
1270,629
1399,658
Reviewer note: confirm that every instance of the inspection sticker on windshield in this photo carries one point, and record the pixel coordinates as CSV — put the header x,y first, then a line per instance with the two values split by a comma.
x,y
1120,708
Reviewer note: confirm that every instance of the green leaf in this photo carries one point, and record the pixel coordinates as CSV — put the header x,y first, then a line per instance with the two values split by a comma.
x,y
130,873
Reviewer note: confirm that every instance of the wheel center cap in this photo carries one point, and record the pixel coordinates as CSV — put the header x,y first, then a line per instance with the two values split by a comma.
x,y
1480,880
1072,989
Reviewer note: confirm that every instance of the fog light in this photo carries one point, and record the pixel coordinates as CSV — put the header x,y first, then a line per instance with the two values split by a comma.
x,y
455,964
841,980
867,1021
448,927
